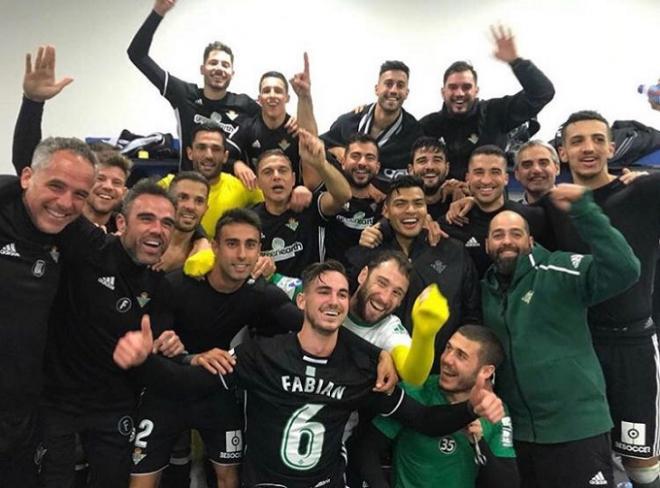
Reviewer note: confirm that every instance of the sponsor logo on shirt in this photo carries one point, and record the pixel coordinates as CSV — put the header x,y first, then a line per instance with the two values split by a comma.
x,y
633,438
125,426
233,443
216,118
472,242
280,252
123,305
292,224
256,144
358,221
598,479
232,114
39,268
284,144
143,299
527,297
438,266
107,281
576,259
10,250
507,432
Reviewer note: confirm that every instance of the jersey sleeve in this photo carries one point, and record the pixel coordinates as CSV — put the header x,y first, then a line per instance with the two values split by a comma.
x,y
537,91
334,137
278,314
388,426
500,437
27,134
138,53
612,266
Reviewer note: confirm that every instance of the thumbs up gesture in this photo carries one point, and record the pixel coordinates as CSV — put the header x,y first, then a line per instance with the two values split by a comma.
x,y
484,402
134,348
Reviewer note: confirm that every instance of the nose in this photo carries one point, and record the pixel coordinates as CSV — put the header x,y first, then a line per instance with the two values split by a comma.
x,y
66,201
241,252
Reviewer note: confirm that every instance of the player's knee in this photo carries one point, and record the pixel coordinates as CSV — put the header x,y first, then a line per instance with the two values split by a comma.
x,y
644,475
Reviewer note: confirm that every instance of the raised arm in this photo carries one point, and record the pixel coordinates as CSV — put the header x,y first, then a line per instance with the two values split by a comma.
x,y
537,89
312,153
612,266
138,51
39,85
302,85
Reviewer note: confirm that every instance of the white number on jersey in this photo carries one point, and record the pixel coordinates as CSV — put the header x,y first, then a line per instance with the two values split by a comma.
x,y
302,440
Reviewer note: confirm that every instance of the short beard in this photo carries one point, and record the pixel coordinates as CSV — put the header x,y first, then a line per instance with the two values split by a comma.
x,y
507,266
355,184
431,190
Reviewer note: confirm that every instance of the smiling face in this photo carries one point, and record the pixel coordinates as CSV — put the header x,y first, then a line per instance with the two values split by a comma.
x,y
217,70
208,154
459,364
392,90
191,203
460,92
431,166
55,193
360,164
406,210
508,239
380,292
536,171
147,228
486,179
325,303
236,247
587,147
108,189
273,97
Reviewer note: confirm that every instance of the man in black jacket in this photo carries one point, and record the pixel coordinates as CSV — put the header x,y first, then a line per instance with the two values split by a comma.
x,y
465,122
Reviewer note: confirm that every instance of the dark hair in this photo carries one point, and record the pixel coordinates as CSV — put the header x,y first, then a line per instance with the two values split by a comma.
x,y
274,74
44,151
273,152
403,263
218,46
207,127
585,115
488,150
459,67
146,186
405,181
394,66
358,138
103,151
429,143
315,270
190,176
116,161
490,347
238,216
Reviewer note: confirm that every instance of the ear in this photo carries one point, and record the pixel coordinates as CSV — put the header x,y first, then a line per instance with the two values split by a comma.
x,y
201,69
610,150
26,176
486,371
376,89
476,91
486,245
386,210
562,154
121,223
189,152
531,241
300,300
362,277
288,98
506,177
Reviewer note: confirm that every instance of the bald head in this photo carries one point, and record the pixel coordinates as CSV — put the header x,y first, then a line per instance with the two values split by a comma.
x,y
508,239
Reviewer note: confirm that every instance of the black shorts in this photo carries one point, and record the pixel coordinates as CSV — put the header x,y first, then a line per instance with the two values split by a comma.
x,y
19,451
218,418
106,439
575,464
632,374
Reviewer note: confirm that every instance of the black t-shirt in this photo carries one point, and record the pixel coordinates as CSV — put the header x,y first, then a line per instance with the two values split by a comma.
x,y
255,137
634,210
474,233
103,295
293,240
30,266
205,318
308,400
187,99
342,231
394,143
